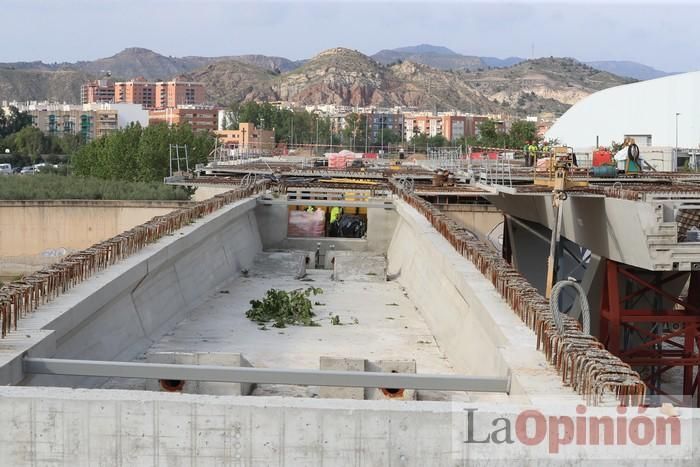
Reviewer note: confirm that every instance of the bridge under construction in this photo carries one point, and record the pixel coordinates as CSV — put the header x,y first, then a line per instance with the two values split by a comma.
x,y
423,317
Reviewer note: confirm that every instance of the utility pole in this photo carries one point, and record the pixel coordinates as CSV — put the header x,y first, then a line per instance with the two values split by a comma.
x,y
366,133
354,133
316,145
381,129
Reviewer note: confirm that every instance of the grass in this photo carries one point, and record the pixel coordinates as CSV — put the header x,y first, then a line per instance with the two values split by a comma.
x,y
49,186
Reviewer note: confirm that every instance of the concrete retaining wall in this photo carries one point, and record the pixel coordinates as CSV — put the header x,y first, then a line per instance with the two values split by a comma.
x,y
472,324
124,309
63,427
273,217
31,227
479,219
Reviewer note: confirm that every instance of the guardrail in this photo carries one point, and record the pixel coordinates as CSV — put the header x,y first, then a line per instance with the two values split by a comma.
x,y
224,374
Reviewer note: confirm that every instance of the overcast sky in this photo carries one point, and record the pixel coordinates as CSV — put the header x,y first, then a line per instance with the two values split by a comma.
x,y
657,33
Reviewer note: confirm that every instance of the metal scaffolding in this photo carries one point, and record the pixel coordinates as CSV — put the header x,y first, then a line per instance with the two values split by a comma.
x,y
651,327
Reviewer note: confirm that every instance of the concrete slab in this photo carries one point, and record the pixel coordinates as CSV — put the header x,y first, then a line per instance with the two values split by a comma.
x,y
378,322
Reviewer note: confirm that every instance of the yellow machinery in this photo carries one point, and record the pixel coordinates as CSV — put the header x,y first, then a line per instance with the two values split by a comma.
x,y
552,169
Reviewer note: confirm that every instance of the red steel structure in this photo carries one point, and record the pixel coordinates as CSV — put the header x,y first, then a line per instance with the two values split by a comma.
x,y
661,336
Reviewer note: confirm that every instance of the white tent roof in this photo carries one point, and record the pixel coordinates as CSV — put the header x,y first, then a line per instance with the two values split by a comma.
x,y
644,108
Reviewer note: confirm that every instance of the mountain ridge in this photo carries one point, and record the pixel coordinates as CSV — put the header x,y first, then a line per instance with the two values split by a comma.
x,y
338,75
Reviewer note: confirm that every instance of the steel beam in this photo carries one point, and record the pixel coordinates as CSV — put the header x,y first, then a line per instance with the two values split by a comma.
x,y
51,366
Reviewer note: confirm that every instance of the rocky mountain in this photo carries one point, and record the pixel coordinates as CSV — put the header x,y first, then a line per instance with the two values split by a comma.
x,y
433,56
629,69
229,81
347,77
545,84
446,59
340,76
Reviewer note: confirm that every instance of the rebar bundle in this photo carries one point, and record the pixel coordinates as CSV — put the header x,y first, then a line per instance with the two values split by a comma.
x,y
21,297
581,359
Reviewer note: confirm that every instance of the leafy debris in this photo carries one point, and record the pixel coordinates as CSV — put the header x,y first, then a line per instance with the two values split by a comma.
x,y
284,308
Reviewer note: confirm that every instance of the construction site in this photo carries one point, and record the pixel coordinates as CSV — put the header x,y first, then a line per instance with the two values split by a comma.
x,y
450,295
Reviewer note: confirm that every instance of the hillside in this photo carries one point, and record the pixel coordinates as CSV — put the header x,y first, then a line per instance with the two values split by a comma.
x,y
340,76
629,69
433,56
229,81
25,85
545,84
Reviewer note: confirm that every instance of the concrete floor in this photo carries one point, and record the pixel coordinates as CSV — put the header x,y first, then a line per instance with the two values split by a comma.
x,y
379,322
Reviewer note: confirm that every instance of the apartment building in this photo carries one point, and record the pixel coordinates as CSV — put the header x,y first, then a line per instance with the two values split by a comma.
x,y
151,95
97,91
247,136
451,126
377,121
91,121
200,118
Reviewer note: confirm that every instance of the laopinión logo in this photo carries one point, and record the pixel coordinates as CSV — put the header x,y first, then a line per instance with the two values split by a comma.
x,y
625,428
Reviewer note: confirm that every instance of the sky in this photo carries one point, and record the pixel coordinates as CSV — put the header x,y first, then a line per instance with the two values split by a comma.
x,y
660,34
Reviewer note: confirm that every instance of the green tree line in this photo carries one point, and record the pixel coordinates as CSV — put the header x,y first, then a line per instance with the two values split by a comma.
x,y
140,154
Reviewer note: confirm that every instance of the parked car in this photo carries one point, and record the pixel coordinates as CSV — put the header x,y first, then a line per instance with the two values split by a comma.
x,y
29,170
17,170
5,169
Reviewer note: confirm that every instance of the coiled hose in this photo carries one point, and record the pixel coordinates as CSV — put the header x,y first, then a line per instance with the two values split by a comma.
x,y
556,312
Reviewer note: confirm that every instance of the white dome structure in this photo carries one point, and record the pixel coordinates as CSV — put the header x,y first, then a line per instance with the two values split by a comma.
x,y
645,110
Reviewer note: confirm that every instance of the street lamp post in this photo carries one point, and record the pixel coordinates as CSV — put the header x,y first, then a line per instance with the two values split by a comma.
x,y
677,114
316,148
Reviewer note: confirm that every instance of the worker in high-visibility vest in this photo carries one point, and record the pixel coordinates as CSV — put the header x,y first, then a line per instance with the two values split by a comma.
x,y
336,212
532,151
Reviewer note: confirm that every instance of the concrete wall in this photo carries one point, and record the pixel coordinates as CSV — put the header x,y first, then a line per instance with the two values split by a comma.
x,y
478,218
476,329
31,227
75,428
124,309
272,220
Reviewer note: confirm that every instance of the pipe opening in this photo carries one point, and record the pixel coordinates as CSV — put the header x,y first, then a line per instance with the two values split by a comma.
x,y
392,392
172,385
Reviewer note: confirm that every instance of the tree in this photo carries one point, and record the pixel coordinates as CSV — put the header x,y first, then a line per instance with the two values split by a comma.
x,y
13,121
438,141
29,141
140,154
354,131
488,135
520,133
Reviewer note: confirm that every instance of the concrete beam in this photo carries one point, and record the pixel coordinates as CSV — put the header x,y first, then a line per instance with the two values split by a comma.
x,y
264,375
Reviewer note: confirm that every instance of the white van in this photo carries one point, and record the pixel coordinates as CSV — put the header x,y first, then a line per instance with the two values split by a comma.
x,y
5,169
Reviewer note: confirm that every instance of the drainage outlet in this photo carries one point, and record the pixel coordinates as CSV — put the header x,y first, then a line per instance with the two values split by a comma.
x,y
172,385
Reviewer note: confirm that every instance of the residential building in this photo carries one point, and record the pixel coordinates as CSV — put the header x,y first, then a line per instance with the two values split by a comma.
x,y
377,121
247,136
200,118
159,95
91,121
97,91
454,126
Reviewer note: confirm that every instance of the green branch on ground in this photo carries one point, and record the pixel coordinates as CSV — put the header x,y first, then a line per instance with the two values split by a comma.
x,y
284,308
